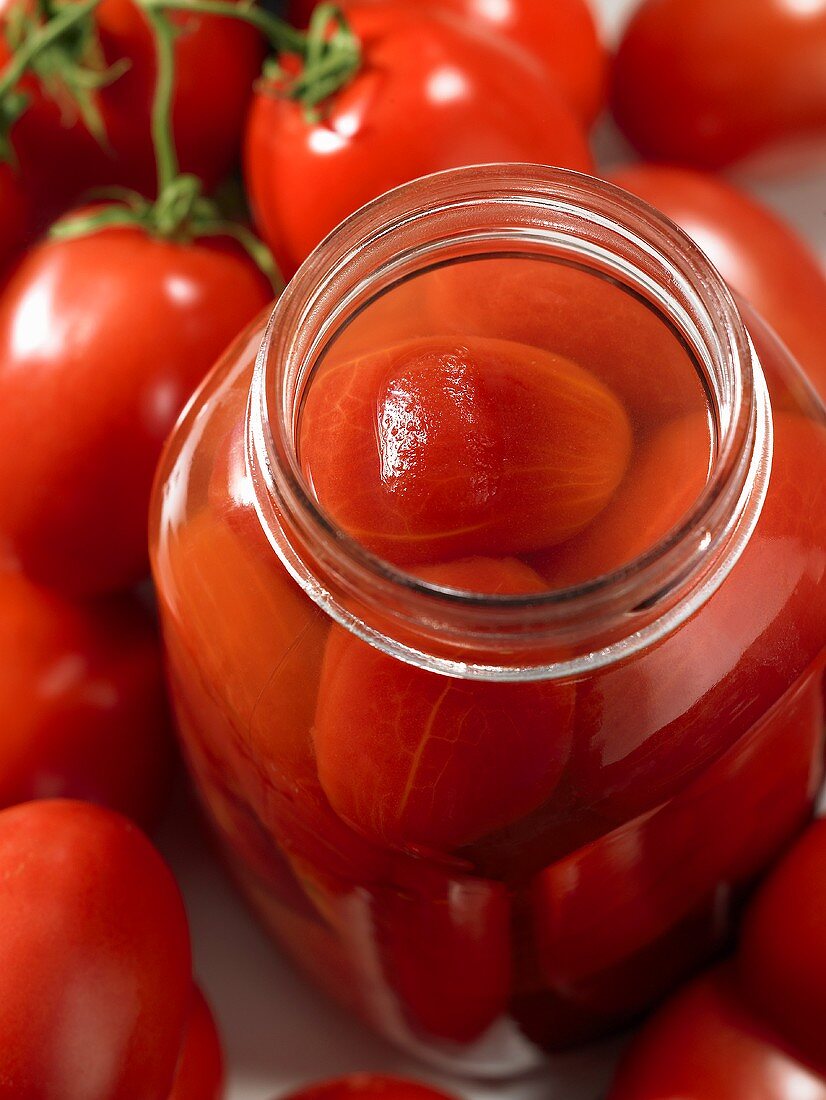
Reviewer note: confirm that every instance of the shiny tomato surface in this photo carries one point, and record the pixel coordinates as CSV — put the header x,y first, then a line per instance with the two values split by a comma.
x,y
95,972
83,701
102,340
430,95
708,84
216,62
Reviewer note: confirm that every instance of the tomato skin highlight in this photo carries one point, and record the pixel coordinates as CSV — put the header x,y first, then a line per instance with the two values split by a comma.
x,y
95,970
706,1045
758,255
368,1086
83,701
561,36
200,1072
706,84
430,95
216,62
441,449
94,369
415,759
782,956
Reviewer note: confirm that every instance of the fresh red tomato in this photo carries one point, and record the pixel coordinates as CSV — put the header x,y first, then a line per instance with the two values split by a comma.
x,y
783,949
368,1086
561,35
757,254
102,340
447,448
15,215
707,83
95,972
216,61
200,1072
83,702
431,94
705,1045
412,758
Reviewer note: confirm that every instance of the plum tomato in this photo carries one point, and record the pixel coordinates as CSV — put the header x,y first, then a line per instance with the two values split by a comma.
x,y
706,1045
103,338
708,84
216,62
200,1071
782,959
758,255
83,701
668,476
95,969
411,758
444,944
441,449
562,36
368,1086
431,94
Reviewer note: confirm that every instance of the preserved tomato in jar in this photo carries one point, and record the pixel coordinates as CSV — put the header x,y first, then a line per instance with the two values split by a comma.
x,y
492,574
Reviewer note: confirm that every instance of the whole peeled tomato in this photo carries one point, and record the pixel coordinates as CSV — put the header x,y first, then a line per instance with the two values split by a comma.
x,y
562,36
708,84
217,59
95,971
782,958
446,448
758,255
416,759
368,1086
83,701
200,1071
705,1044
431,94
103,338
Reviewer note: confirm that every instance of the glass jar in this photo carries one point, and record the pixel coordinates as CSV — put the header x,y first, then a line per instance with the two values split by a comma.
x,y
653,735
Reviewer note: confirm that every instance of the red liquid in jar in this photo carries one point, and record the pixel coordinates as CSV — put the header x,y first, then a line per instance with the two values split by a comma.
x,y
459,859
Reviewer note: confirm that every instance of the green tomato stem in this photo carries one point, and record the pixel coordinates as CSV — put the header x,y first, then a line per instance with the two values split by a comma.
x,y
163,139
40,40
279,34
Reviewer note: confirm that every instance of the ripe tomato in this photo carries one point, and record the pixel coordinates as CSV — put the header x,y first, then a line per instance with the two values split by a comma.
x,y
216,61
83,702
783,950
561,35
757,254
200,1072
447,448
708,84
411,758
368,1086
431,94
95,973
15,215
705,1045
102,340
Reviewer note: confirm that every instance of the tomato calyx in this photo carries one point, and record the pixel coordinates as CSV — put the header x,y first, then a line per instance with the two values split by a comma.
x,y
181,212
59,44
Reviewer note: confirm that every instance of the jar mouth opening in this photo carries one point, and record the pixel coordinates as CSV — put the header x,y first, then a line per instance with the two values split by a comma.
x,y
537,203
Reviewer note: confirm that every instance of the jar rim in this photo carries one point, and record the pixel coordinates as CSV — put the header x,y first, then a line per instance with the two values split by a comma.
x,y
689,562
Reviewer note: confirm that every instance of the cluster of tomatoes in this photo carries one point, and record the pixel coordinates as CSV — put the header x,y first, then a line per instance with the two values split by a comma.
x,y
113,311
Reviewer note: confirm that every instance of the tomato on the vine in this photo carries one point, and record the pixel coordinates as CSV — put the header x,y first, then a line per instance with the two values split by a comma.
x,y
783,949
562,36
707,83
431,93
216,62
103,338
200,1072
759,256
706,1045
95,969
83,702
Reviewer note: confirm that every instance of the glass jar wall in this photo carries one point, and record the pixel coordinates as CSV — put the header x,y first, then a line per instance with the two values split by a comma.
x,y
491,575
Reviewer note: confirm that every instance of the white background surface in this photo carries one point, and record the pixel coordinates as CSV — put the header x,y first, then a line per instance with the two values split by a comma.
x,y
278,1031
